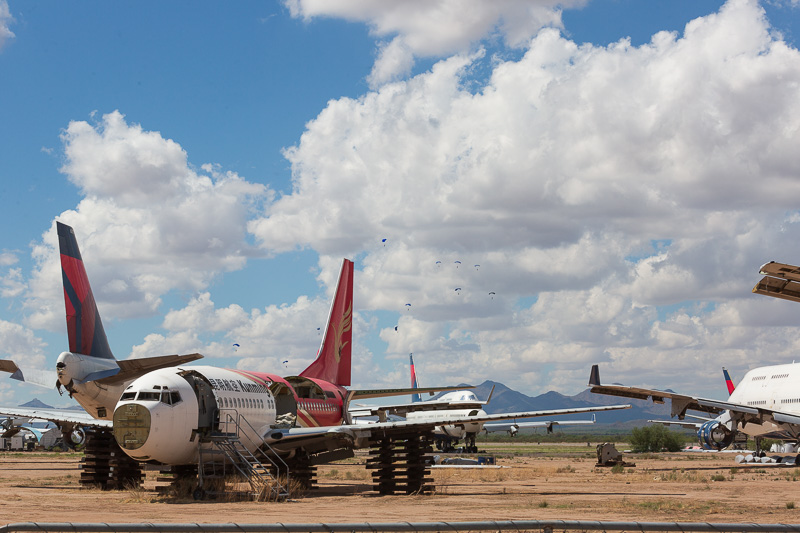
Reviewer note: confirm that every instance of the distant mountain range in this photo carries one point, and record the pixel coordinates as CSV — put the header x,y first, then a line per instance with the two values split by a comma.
x,y
36,403
506,400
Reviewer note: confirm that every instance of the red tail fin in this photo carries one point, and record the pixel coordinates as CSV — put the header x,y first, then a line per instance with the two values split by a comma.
x,y
84,327
333,360
728,380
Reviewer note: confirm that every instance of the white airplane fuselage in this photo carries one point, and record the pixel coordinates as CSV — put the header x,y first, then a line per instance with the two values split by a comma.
x,y
468,405
769,387
163,415
455,431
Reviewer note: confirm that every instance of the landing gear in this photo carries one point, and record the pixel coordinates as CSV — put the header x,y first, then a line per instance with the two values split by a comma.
x,y
198,494
469,443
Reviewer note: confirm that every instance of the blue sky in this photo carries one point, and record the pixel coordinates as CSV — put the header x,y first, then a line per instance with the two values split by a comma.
x,y
618,175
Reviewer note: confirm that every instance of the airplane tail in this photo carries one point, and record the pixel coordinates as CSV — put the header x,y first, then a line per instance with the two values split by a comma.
x,y
84,327
414,384
333,359
728,380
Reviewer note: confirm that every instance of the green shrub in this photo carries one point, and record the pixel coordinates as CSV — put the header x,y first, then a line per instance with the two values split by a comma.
x,y
656,438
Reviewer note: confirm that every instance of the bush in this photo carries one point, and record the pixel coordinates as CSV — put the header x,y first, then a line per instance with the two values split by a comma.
x,y
656,438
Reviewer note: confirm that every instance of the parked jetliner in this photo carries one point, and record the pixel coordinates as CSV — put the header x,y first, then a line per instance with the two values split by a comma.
x,y
452,406
166,412
766,403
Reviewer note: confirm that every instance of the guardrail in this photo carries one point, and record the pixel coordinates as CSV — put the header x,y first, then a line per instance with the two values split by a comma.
x,y
545,526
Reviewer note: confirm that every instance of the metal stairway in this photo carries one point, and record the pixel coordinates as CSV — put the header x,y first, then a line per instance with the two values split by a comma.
x,y
261,475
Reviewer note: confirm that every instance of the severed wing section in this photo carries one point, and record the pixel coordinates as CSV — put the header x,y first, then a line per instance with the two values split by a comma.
x,y
680,402
746,416
780,281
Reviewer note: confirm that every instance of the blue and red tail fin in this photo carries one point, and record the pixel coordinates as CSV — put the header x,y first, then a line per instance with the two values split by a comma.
x,y
84,327
333,359
728,381
414,384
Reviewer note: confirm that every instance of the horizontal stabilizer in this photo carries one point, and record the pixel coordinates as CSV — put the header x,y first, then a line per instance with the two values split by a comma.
x,y
130,369
43,378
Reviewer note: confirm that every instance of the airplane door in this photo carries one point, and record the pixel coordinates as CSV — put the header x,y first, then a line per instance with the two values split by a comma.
x,y
207,411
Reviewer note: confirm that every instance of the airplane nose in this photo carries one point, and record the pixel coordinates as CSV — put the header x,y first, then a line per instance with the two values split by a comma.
x,y
131,426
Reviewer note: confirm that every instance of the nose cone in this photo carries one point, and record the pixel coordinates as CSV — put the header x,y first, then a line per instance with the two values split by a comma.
x,y
131,426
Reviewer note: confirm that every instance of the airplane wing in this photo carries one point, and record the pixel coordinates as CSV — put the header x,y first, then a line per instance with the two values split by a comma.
x,y
380,393
680,402
43,378
365,433
741,414
402,409
680,423
61,417
128,370
514,427
780,281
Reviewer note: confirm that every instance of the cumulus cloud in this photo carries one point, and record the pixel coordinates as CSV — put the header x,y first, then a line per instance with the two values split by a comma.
x,y
149,222
5,21
422,28
590,203
605,182
21,344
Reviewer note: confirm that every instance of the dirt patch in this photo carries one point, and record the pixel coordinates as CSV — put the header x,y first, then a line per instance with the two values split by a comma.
x,y
685,487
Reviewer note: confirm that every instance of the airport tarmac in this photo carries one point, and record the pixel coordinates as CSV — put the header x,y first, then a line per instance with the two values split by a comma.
x,y
685,487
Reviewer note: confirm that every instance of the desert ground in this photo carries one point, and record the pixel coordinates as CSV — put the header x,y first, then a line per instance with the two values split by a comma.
x,y
537,482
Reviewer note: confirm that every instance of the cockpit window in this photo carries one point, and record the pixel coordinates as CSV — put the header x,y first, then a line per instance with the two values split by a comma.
x,y
127,396
149,396
170,398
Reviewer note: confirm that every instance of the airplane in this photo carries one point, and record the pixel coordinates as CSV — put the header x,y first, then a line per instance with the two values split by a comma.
x,y
765,404
163,411
451,406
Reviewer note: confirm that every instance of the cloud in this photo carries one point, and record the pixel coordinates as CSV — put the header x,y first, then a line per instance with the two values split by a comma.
x,y
149,222
618,201
422,28
21,344
605,183
5,21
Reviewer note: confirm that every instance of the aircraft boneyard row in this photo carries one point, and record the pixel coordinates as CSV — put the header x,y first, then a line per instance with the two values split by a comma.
x,y
161,410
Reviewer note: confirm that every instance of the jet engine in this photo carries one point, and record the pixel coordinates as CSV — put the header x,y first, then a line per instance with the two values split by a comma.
x,y
74,437
714,435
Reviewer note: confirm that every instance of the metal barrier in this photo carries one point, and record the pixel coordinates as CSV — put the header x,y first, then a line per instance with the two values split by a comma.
x,y
546,526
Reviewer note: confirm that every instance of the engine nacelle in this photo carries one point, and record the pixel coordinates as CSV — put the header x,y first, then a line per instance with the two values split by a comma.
x,y
74,437
714,435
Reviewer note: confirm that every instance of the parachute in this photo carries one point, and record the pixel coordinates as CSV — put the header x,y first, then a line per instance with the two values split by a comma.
x,y
235,346
492,295
456,263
